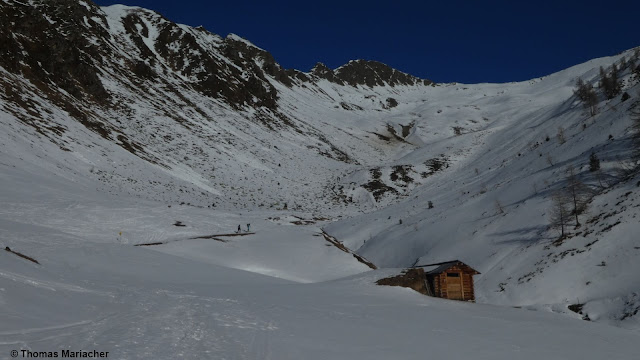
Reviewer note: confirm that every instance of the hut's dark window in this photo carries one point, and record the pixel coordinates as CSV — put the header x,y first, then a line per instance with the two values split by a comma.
x,y
453,275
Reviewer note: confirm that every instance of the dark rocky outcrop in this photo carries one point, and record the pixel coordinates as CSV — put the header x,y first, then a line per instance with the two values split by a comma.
x,y
57,54
63,44
373,73
65,49
409,278
367,73
323,72
182,54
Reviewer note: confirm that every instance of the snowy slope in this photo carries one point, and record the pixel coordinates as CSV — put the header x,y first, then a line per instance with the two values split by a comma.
x,y
93,291
491,207
132,125
178,114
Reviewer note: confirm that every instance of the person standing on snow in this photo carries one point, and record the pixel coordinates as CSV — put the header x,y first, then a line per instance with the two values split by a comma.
x,y
239,229
248,227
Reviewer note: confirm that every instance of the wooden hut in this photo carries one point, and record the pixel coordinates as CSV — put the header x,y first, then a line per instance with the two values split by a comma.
x,y
449,280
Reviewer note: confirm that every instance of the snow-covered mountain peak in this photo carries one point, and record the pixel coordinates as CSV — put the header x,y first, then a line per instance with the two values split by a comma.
x,y
374,73
235,37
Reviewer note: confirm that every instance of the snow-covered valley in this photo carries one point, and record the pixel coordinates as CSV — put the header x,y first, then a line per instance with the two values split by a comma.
x,y
138,131
203,298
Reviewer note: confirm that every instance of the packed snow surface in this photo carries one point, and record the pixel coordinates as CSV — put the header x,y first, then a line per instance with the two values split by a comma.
x,y
134,225
205,298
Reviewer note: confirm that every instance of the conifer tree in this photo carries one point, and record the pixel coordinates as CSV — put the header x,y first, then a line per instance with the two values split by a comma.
x,y
587,95
610,84
560,214
594,162
615,83
578,194
635,117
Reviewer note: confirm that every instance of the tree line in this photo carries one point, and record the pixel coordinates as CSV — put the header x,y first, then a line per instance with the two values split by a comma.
x,y
609,83
572,199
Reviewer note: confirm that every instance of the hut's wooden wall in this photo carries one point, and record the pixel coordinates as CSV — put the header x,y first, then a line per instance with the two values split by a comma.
x,y
467,287
437,285
466,273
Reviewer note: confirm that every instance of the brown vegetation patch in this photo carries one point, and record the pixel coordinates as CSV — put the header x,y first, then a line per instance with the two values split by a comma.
x,y
401,172
381,137
21,255
392,131
219,235
150,244
341,246
350,107
577,308
303,222
406,129
390,103
377,188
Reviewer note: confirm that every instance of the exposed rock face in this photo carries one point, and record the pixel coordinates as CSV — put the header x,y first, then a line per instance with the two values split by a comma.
x,y
323,72
366,73
180,52
64,43
174,96
49,44
409,278
373,73
58,47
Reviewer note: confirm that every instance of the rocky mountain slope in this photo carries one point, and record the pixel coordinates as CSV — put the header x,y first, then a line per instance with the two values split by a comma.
x,y
492,207
124,101
202,115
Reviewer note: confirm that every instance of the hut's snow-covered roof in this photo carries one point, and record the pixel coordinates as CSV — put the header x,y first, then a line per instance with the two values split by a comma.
x,y
440,267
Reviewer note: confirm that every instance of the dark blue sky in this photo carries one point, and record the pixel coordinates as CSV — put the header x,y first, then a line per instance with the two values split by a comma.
x,y
445,41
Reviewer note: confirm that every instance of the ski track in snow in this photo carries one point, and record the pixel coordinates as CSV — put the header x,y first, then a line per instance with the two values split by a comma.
x,y
47,285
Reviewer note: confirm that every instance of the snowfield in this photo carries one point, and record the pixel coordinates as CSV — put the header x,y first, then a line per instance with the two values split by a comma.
x,y
132,207
204,298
